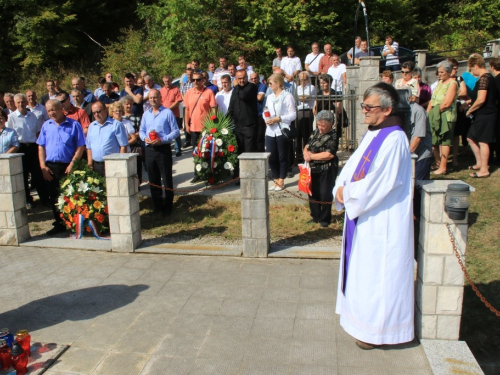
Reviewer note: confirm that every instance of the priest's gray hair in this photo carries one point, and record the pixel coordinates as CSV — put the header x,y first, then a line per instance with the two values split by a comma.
x,y
326,116
387,95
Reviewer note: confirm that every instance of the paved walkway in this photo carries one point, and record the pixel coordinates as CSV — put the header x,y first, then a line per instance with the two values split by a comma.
x,y
163,314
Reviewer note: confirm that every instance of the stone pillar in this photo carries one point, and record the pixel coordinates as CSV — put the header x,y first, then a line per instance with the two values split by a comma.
x,y
123,202
420,58
254,204
368,76
440,280
13,218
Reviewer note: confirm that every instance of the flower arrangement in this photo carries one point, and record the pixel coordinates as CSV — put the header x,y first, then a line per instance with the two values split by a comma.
x,y
215,155
83,192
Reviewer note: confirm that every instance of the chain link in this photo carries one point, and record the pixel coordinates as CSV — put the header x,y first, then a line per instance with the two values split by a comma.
x,y
473,286
187,191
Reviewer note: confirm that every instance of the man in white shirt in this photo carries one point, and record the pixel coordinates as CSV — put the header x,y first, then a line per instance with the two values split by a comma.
x,y
243,65
311,62
223,97
306,94
339,79
150,85
36,108
220,71
291,64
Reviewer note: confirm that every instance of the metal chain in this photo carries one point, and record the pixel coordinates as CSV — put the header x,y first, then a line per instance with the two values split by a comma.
x,y
474,287
186,191
298,196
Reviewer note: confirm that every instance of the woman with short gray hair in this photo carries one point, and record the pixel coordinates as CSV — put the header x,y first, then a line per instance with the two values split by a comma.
x,y
320,152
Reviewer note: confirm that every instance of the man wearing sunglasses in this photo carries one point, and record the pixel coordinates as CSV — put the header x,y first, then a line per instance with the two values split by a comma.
x,y
375,295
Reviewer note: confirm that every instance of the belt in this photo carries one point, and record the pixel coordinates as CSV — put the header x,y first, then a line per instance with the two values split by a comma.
x,y
27,144
57,162
98,162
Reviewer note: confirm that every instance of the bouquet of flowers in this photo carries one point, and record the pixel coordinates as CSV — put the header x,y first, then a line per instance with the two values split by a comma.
x,y
215,155
82,203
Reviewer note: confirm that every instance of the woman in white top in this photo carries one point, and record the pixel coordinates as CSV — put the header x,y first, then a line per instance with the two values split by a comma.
x,y
281,106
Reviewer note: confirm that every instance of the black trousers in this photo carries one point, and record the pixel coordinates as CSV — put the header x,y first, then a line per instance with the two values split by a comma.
x,y
321,187
261,134
305,120
291,148
246,136
99,167
31,164
52,187
278,148
159,165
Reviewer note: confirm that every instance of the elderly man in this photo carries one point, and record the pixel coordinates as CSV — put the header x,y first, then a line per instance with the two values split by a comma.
x,y
220,71
357,49
223,97
199,102
79,83
73,112
27,127
261,123
105,136
51,92
307,94
77,97
109,96
158,151
327,60
38,110
10,105
56,157
243,110
375,294
135,92
171,98
291,64
311,62
243,65
149,85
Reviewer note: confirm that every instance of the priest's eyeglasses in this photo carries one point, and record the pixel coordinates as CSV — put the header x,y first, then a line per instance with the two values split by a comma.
x,y
368,108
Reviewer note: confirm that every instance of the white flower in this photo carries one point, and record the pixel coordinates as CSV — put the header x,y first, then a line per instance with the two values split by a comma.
x,y
215,164
204,164
198,167
60,202
83,187
95,189
228,165
218,142
204,132
70,190
224,131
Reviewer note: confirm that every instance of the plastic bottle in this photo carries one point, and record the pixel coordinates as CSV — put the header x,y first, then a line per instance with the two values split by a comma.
x,y
5,361
9,337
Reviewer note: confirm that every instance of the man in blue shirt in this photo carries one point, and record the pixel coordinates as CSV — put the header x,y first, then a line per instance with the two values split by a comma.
x,y
158,151
8,137
109,96
60,144
78,83
105,136
135,92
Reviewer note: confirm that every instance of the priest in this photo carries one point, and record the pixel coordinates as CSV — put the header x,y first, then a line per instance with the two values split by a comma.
x,y
375,295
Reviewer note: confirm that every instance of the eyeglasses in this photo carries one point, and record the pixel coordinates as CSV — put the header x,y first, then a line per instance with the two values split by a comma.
x,y
405,72
62,101
95,112
455,67
368,108
198,79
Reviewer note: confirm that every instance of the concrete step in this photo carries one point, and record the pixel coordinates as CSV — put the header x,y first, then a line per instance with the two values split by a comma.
x,y
304,252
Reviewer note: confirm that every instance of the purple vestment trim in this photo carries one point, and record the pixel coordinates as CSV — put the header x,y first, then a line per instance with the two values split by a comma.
x,y
360,173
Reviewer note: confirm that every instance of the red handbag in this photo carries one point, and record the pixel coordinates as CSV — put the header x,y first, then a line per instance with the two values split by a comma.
x,y
305,178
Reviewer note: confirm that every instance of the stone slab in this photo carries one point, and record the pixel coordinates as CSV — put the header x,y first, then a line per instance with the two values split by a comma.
x,y
186,249
450,357
43,355
304,252
67,243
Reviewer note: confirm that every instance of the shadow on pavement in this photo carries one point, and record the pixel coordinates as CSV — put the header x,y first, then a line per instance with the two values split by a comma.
x,y
81,304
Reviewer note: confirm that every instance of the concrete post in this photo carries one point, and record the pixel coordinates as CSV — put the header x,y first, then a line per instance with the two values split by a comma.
x,y
123,202
254,204
368,76
13,218
420,58
440,280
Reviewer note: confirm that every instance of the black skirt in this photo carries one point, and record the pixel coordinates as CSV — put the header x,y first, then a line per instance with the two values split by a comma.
x,y
483,128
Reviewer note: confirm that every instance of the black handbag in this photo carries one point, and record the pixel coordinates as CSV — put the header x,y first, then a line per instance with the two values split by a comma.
x,y
289,133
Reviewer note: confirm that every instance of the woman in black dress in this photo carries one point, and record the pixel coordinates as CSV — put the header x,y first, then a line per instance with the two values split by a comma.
x,y
327,100
484,112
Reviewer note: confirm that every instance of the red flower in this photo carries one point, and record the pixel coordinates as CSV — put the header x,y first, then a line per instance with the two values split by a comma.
x,y
75,219
106,210
66,199
213,117
88,229
76,196
92,196
220,153
209,138
207,145
230,148
61,215
207,155
213,130
211,180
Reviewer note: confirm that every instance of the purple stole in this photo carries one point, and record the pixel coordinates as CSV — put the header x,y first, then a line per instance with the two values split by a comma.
x,y
360,173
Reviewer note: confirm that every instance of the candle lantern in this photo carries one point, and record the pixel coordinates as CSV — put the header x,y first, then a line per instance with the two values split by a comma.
x,y
457,201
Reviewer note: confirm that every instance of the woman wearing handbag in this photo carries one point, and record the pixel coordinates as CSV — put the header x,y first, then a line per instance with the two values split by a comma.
x,y
320,152
278,114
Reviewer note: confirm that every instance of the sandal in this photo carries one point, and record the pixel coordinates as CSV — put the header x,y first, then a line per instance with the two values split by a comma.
x,y
475,175
471,168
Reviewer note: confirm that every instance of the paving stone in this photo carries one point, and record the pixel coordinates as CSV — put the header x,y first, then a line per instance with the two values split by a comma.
x,y
283,281
320,267
99,336
269,350
138,341
316,311
180,345
272,328
204,366
177,290
206,306
349,355
155,276
258,267
234,326
409,356
271,309
167,265
191,324
312,370
411,371
245,308
369,370
125,274
161,365
318,281
79,360
290,294
197,264
121,363
284,268
218,291
245,293
313,352
259,368
189,277
307,295
222,348
141,262
314,329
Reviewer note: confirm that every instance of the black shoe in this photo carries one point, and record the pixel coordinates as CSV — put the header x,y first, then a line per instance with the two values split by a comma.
x,y
166,211
289,175
178,153
195,180
312,221
324,225
57,229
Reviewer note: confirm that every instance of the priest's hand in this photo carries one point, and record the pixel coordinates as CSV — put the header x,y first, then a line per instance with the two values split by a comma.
x,y
339,196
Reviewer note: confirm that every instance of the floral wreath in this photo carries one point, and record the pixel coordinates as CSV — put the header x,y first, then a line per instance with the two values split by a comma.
x,y
215,155
83,203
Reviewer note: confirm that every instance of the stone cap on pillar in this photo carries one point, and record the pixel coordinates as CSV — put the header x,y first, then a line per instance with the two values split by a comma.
x,y
121,165
254,155
439,186
369,60
118,156
10,156
421,50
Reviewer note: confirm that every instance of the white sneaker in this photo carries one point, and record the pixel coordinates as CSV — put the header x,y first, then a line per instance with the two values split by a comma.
x,y
272,188
278,188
